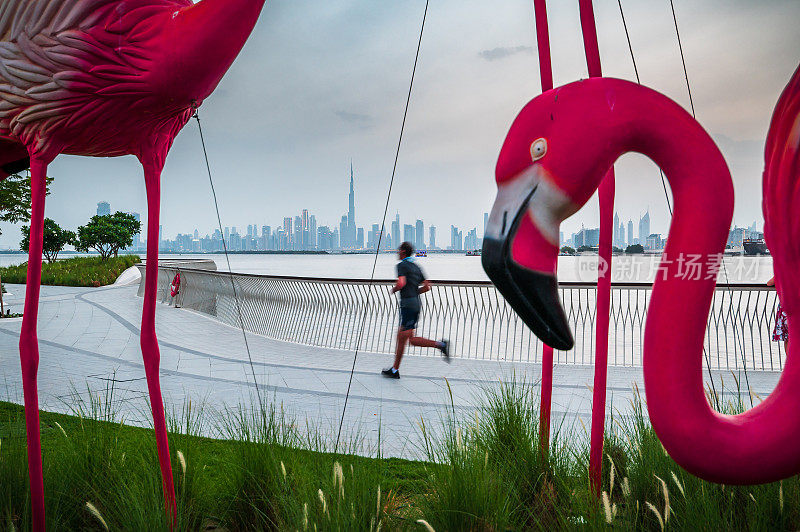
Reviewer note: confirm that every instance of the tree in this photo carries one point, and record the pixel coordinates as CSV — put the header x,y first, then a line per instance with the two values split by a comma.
x,y
55,238
15,198
584,248
635,248
568,250
108,234
616,249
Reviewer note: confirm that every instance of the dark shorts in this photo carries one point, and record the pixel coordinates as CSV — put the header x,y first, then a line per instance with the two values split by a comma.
x,y
409,315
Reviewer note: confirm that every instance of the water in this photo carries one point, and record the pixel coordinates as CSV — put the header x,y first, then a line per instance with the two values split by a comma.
x,y
445,266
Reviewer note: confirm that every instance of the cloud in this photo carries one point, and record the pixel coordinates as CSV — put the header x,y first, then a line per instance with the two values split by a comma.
x,y
503,52
354,118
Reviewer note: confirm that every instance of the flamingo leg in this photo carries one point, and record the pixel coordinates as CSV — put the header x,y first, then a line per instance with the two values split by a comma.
x,y
606,196
29,344
546,398
149,343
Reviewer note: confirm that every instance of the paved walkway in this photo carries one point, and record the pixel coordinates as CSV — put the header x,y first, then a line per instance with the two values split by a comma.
x,y
90,338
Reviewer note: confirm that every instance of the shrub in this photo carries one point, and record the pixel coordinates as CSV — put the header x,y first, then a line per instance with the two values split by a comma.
x,y
76,271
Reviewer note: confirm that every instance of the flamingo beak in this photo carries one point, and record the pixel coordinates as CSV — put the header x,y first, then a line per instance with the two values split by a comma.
x,y
521,261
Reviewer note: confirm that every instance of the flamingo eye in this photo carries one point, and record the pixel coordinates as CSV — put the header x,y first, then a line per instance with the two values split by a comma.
x,y
538,149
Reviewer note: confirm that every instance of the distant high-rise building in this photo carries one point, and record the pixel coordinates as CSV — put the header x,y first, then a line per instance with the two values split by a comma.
x,y
456,239
408,233
287,230
631,240
343,232
360,238
617,238
312,231
653,242
432,236
485,223
373,236
103,208
419,234
396,236
297,243
471,240
644,228
347,230
136,244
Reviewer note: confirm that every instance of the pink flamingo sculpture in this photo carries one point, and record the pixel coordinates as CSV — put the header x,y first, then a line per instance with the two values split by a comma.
x,y
555,155
105,78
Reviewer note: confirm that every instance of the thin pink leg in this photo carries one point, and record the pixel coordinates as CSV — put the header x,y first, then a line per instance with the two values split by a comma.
x,y
149,342
606,196
29,344
547,398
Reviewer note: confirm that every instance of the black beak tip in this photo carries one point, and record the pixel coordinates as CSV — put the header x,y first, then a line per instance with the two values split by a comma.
x,y
532,295
560,343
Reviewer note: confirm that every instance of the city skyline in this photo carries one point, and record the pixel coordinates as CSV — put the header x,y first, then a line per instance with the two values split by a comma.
x,y
302,233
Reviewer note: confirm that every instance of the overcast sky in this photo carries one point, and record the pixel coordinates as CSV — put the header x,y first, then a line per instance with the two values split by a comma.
x,y
319,83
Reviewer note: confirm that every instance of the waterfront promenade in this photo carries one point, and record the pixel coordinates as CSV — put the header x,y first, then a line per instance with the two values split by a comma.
x,y
89,337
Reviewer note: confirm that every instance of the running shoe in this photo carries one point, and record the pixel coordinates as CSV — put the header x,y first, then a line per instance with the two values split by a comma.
x,y
445,349
391,373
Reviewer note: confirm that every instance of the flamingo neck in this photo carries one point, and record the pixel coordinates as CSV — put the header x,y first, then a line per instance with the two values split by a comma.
x,y
204,41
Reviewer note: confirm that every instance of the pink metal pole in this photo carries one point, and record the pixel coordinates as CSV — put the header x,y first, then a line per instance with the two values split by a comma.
x,y
546,75
606,196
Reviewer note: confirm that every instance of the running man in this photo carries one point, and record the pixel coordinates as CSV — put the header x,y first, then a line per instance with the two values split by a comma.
x,y
411,282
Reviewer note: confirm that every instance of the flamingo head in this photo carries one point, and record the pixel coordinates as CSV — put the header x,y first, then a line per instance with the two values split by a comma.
x,y
550,165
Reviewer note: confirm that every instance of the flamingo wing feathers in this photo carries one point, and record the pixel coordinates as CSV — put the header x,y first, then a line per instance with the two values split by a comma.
x,y
782,194
58,56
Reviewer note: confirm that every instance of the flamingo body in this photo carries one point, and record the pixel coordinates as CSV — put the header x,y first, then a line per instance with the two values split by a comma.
x,y
105,78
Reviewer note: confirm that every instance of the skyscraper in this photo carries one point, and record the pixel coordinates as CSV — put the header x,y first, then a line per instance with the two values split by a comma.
x,y
373,236
644,228
343,230
630,233
485,223
471,240
408,233
456,239
419,234
298,233
103,208
312,231
136,244
396,236
347,230
432,236
360,238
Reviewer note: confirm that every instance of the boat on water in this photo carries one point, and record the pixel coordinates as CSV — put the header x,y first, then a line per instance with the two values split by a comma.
x,y
422,253
755,246
473,253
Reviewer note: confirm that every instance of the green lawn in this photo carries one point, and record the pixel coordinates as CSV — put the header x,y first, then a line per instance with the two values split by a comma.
x,y
75,271
482,474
